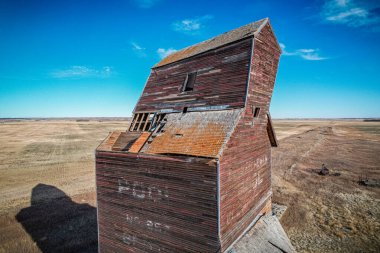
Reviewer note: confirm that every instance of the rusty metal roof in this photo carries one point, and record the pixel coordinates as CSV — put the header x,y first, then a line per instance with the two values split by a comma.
x,y
220,40
195,133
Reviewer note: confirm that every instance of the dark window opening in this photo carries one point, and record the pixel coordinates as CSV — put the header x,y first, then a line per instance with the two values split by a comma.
x,y
134,117
184,109
189,81
157,120
161,125
256,112
141,121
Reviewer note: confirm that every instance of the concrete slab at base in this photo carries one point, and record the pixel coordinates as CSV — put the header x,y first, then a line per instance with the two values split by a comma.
x,y
266,236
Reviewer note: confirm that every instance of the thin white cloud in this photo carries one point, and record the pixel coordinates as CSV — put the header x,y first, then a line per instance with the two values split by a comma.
x,y
306,54
137,46
139,50
284,52
191,26
310,54
352,13
145,3
76,72
162,52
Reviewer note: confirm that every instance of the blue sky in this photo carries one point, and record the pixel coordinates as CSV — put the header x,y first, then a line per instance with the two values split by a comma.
x,y
92,58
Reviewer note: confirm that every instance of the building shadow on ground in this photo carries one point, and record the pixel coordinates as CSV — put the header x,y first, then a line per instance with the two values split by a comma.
x,y
58,224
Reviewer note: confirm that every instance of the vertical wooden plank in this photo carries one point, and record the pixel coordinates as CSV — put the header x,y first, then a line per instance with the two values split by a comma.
x,y
142,118
137,119
133,122
245,165
146,121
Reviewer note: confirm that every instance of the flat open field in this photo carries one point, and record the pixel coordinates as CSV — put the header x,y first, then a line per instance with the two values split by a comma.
x,y
47,184
330,213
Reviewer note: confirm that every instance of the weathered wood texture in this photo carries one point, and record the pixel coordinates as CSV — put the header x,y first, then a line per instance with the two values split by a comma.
x,y
240,33
161,202
119,141
221,80
245,164
139,143
156,203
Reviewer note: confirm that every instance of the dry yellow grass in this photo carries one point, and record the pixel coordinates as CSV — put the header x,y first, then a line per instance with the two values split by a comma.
x,y
328,213
47,186
42,162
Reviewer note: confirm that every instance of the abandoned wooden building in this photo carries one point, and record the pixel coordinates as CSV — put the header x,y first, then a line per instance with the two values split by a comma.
x,y
193,170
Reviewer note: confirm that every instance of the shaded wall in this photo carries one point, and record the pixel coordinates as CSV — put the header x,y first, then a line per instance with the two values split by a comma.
x,y
245,175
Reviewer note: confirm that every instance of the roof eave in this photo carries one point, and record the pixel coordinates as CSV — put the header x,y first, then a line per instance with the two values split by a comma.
x,y
263,21
267,21
202,53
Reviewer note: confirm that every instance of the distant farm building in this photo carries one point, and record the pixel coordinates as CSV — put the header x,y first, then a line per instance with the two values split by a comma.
x,y
193,170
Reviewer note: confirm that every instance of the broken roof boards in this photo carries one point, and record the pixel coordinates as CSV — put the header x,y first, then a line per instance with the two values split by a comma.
x,y
192,172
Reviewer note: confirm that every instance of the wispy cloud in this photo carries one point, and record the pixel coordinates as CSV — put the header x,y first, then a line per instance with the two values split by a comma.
x,y
306,54
352,13
191,26
76,72
139,50
162,52
284,51
145,3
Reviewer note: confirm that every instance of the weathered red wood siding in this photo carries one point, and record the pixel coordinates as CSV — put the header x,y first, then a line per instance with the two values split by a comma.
x,y
221,80
245,176
156,203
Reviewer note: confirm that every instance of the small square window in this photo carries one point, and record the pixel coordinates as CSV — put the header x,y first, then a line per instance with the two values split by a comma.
x,y
189,81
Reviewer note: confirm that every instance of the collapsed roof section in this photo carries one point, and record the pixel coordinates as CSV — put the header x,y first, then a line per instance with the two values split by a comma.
x,y
197,134
200,134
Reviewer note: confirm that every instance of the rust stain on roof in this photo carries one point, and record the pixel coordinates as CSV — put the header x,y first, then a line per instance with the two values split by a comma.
x,y
220,40
196,133
139,143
